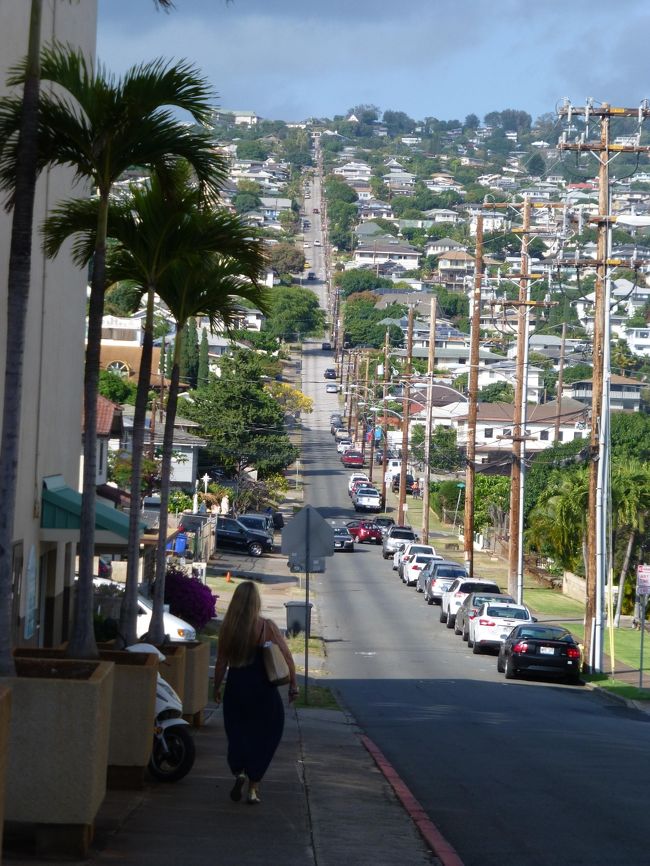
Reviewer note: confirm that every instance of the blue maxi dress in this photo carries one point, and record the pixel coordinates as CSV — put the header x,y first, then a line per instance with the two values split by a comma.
x,y
253,717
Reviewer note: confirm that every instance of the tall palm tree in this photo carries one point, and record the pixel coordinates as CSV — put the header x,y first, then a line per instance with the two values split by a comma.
x,y
101,126
22,185
212,290
167,223
630,507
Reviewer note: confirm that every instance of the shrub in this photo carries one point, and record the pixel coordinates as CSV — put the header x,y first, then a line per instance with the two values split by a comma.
x,y
188,598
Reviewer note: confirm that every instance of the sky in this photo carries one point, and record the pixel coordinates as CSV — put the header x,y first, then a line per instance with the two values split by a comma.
x,y
294,59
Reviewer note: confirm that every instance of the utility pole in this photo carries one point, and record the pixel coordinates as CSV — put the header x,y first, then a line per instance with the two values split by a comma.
x,y
427,427
355,397
560,385
371,444
520,399
365,413
472,393
385,425
597,547
405,421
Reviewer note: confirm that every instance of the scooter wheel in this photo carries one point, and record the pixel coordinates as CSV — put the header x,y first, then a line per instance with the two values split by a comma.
x,y
177,760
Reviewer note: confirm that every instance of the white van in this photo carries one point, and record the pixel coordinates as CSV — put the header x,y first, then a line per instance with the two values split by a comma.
x,y
393,467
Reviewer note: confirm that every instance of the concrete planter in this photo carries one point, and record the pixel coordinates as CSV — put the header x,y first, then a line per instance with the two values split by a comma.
x,y
197,673
133,710
58,751
5,720
173,668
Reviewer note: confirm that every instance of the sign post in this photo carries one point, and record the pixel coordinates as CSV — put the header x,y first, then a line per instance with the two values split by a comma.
x,y
642,591
307,539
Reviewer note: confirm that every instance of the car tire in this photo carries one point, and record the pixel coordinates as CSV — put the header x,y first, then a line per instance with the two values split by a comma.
x,y
470,642
451,619
417,588
443,615
510,670
465,634
476,649
255,548
500,667
456,629
429,599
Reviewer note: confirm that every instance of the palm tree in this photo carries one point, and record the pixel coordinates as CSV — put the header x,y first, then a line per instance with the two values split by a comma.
x,y
557,524
101,126
22,183
212,290
630,508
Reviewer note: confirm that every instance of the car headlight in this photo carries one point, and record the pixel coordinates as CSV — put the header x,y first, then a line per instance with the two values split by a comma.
x,y
186,633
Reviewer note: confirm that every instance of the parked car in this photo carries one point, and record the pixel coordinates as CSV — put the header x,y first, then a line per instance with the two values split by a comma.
x,y
395,483
494,622
410,551
364,531
335,426
344,444
352,458
176,628
470,607
414,566
326,347
367,499
332,388
537,648
436,577
395,536
343,540
330,373
232,534
354,477
453,597
104,567
384,523
340,433
262,523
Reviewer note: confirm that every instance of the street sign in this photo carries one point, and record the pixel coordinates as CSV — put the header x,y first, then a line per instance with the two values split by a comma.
x,y
643,580
308,537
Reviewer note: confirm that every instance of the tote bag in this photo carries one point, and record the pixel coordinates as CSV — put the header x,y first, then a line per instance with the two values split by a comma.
x,y
275,664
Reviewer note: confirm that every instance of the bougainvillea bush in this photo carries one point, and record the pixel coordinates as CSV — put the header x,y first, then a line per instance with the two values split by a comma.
x,y
189,598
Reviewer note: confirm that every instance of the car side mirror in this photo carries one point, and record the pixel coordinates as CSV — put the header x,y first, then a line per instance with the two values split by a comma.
x,y
534,618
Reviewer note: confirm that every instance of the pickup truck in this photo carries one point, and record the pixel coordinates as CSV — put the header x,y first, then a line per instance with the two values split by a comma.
x,y
367,499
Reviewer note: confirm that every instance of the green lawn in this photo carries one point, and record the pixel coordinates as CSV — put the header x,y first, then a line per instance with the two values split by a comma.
x,y
319,697
551,603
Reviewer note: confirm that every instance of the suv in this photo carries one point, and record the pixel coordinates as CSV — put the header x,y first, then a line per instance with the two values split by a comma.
x,y
396,536
396,482
232,534
259,523
330,373
453,597
364,530
438,576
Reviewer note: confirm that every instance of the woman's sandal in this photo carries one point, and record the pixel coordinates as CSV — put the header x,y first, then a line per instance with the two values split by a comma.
x,y
253,798
235,793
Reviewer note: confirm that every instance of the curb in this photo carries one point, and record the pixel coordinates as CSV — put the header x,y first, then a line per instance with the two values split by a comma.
x,y
442,849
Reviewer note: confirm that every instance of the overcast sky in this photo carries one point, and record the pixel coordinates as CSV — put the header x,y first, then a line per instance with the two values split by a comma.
x,y
293,59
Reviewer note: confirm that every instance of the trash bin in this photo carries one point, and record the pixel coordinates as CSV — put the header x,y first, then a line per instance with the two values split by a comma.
x,y
298,616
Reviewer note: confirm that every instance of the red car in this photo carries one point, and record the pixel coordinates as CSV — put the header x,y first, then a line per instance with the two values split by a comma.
x,y
352,458
365,530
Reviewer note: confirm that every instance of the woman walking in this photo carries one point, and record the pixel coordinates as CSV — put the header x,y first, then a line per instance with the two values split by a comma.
x,y
252,708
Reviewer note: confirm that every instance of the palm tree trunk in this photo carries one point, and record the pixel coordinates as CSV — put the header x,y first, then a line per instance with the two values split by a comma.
x,y
17,295
82,639
621,580
156,628
129,608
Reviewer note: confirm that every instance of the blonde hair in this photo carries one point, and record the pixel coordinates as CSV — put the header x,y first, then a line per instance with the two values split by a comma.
x,y
239,633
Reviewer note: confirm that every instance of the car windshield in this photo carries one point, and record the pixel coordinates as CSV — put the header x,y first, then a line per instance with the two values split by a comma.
x,y
471,587
507,612
450,572
402,535
342,532
544,633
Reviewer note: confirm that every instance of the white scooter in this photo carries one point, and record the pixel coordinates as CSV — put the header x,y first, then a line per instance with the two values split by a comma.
x,y
172,756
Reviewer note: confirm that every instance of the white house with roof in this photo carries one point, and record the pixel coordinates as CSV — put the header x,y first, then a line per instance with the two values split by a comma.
x,y
505,371
381,251
624,393
354,170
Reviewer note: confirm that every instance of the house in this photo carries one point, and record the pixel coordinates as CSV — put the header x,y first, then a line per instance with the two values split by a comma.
x,y
380,251
443,215
45,532
186,444
238,118
354,170
505,371
109,426
442,245
454,358
271,207
624,393
494,428
455,268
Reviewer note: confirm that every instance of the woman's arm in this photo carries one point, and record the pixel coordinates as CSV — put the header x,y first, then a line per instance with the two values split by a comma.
x,y
278,638
219,673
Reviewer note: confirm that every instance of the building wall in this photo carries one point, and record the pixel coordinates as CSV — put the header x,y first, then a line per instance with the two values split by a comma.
x,y
50,437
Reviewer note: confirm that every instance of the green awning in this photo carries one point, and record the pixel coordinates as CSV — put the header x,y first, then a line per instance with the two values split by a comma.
x,y
61,509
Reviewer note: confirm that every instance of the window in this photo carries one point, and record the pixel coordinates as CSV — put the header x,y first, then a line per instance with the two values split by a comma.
x,y
544,435
560,436
489,432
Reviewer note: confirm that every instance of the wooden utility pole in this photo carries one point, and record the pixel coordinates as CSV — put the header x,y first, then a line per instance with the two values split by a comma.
x,y
597,548
515,540
365,413
355,397
472,393
560,386
371,441
405,421
385,425
427,427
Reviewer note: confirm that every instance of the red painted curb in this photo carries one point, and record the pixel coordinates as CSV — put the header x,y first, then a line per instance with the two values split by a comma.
x,y
427,829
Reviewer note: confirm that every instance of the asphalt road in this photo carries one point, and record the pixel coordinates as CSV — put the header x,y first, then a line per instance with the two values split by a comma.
x,y
530,773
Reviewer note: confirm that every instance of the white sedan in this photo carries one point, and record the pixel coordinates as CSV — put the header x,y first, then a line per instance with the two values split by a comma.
x,y
493,623
414,565
344,445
